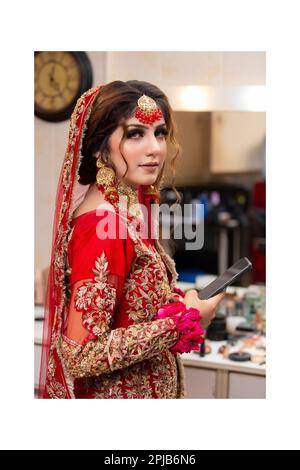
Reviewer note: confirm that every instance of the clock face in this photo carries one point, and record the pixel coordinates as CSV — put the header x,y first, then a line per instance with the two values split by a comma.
x,y
60,78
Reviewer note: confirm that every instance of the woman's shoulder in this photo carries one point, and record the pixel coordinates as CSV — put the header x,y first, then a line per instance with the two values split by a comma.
x,y
93,203
95,234
93,200
100,227
93,207
91,215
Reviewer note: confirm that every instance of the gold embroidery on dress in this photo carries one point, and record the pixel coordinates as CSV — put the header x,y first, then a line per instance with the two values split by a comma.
x,y
54,388
96,299
137,382
108,386
127,347
147,287
164,373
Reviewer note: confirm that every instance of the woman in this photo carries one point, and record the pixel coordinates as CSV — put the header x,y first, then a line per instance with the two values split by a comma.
x,y
114,321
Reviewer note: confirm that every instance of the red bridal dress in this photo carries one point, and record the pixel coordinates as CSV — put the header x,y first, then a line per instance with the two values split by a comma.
x,y
105,334
112,345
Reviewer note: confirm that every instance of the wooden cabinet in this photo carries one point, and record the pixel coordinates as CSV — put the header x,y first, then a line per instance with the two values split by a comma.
x,y
246,386
222,383
200,383
237,142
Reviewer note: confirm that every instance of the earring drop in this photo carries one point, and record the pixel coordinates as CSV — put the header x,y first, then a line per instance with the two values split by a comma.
x,y
105,175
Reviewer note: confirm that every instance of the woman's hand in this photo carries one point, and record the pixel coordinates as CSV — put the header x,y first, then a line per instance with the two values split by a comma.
x,y
207,308
175,298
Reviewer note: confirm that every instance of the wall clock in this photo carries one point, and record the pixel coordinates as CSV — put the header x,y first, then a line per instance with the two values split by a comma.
x,y
59,79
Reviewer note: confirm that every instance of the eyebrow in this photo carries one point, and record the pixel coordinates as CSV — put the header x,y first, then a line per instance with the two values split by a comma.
x,y
145,127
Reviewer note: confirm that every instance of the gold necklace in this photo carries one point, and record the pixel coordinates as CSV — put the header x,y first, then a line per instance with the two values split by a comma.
x,y
132,195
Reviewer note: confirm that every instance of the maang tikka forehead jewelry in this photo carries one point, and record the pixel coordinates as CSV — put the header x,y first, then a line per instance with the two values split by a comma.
x,y
147,110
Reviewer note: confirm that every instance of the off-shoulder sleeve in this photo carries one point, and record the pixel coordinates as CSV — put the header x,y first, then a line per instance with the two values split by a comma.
x,y
90,345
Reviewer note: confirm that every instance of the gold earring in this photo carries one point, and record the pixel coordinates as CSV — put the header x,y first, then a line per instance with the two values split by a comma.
x,y
105,175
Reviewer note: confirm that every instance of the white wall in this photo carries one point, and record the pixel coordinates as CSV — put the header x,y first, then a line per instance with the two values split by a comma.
x,y
188,68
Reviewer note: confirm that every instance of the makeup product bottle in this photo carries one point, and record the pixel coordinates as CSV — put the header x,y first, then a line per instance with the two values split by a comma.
x,y
234,316
202,349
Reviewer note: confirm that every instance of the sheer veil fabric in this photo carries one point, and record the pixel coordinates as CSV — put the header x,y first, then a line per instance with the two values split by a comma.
x,y
53,379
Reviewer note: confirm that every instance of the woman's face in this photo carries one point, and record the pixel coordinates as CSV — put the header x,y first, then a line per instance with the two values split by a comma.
x,y
144,148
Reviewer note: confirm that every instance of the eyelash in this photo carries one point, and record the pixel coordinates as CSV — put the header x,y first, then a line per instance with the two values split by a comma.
x,y
163,132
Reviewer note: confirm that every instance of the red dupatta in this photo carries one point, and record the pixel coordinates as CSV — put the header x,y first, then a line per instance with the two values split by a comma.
x,y
53,380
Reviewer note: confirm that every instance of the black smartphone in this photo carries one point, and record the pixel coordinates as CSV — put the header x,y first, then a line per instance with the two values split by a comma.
x,y
228,277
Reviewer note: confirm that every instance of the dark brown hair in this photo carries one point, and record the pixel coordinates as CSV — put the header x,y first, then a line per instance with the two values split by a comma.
x,y
113,105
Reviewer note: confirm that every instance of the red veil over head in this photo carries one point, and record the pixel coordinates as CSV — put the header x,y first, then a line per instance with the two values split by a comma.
x,y
53,380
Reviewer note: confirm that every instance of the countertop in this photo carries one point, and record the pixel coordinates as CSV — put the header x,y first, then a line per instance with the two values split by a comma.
x,y
215,360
